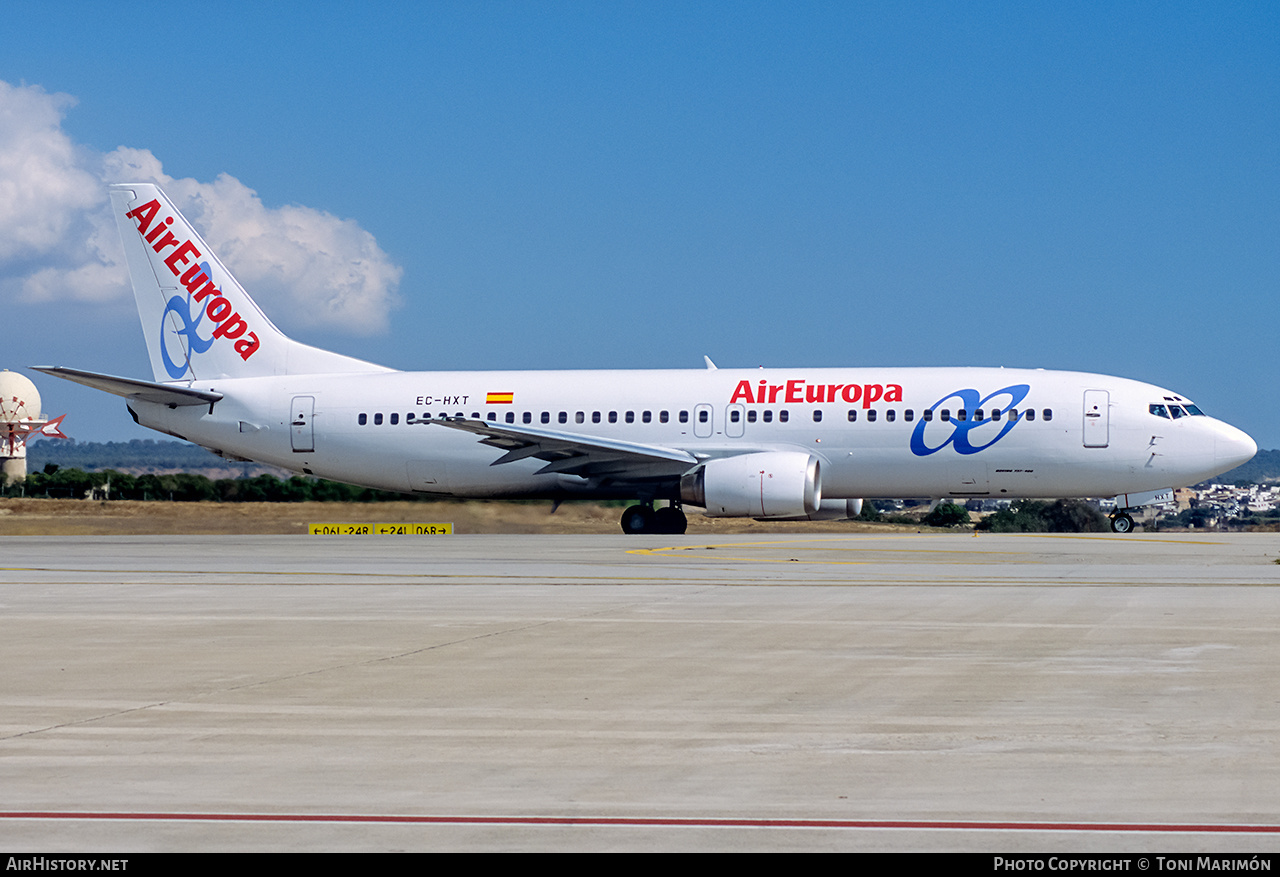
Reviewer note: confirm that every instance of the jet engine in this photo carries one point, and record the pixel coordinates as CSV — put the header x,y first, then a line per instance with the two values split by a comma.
x,y
832,510
772,484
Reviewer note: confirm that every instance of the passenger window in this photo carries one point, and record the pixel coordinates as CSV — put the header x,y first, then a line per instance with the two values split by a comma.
x,y
646,417
613,417
946,414
395,417
960,415
784,416
580,417
631,417
493,415
1013,413
595,416
751,416
528,417
564,417
511,417
977,415
853,415
408,418
871,415
546,417
908,415
664,416
1047,414
890,415
995,413
377,419
475,415
735,416
767,417
817,416
927,414
703,415
1031,414
684,416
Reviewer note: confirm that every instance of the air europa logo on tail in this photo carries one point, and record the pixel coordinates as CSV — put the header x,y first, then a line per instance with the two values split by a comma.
x,y
196,277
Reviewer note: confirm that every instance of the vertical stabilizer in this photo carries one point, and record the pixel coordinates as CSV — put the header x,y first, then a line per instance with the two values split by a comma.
x,y
199,322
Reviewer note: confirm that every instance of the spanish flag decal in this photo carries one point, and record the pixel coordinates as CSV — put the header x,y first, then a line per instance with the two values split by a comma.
x,y
499,398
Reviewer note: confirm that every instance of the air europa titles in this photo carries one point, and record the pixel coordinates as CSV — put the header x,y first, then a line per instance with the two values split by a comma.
x,y
799,391
196,277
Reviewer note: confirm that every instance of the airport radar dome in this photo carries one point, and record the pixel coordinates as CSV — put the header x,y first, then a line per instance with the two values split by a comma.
x,y
19,399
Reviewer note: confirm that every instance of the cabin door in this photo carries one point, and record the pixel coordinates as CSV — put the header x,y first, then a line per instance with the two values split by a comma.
x,y
1097,418
301,431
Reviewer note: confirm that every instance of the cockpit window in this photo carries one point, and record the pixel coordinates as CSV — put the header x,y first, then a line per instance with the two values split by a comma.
x,y
1176,412
1158,411
1194,411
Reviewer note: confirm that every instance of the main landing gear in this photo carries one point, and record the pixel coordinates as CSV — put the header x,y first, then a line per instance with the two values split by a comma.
x,y
645,519
1121,522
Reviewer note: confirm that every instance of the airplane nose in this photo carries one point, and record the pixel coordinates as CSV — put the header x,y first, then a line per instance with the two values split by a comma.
x,y
1233,447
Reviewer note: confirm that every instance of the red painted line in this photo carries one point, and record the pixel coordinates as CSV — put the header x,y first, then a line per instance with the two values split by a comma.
x,y
647,821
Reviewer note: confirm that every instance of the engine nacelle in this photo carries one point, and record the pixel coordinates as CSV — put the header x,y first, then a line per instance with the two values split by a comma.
x,y
773,484
831,510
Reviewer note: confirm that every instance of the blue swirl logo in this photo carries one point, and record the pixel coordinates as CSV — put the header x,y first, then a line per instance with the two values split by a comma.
x,y
181,307
970,401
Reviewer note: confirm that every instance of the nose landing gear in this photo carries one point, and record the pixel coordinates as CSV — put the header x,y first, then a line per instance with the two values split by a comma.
x,y
1121,522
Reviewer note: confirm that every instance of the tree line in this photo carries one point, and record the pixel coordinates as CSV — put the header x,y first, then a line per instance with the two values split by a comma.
x,y
57,482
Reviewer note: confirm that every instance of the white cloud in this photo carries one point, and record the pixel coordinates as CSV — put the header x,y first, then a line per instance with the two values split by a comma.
x,y
58,240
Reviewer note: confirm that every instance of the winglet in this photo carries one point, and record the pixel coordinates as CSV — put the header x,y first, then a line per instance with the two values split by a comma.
x,y
711,366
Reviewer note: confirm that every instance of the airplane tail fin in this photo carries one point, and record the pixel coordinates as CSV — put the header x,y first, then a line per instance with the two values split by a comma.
x,y
199,322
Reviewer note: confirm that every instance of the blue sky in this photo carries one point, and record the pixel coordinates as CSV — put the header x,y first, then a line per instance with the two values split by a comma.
x,y
613,185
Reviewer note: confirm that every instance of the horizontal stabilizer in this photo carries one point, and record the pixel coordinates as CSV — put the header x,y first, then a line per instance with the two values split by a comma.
x,y
162,394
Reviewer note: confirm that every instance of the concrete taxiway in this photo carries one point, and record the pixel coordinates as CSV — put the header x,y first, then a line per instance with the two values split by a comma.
x,y
869,692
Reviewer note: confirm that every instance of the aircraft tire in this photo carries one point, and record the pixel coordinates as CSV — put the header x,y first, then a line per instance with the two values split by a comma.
x,y
1122,523
638,519
670,521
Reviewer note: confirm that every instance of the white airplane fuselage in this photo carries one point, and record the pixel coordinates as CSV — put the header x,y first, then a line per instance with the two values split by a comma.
x,y
1131,450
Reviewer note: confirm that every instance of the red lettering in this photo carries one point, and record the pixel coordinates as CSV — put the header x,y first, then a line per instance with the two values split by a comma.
x,y
831,391
742,393
893,393
231,327
180,256
218,309
206,290
871,393
194,278
167,241
815,394
773,393
144,215
851,393
247,346
793,391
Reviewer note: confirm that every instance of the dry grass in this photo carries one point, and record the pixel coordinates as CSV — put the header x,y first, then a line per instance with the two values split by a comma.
x,y
68,517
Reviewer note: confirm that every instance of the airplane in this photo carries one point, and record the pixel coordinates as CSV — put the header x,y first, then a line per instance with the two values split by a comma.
x,y
771,444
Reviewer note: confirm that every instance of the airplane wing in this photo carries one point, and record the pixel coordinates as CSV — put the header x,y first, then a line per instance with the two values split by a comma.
x,y
130,388
574,453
